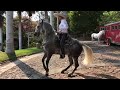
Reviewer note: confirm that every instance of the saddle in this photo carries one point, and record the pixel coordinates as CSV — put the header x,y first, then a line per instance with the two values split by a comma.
x,y
57,41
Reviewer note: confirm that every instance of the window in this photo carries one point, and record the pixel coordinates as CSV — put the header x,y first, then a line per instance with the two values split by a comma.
x,y
112,27
104,28
119,27
115,27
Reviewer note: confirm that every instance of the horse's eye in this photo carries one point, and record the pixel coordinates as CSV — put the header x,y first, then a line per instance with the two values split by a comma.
x,y
38,26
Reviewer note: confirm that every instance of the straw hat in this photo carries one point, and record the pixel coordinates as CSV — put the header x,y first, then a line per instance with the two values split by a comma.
x,y
62,14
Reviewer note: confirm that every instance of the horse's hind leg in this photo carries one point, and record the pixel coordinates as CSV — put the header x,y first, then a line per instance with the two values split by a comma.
x,y
76,66
70,61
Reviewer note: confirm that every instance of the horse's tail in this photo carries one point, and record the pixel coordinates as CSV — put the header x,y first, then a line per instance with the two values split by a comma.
x,y
88,55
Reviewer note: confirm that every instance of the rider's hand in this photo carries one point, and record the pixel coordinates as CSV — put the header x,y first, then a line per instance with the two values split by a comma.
x,y
59,31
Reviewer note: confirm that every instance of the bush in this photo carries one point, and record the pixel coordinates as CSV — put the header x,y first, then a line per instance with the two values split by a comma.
x,y
83,22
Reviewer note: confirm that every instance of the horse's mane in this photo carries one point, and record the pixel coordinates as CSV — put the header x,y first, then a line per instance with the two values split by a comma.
x,y
49,27
51,30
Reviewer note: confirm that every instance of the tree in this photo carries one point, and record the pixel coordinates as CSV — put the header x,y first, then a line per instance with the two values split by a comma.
x,y
52,18
109,17
1,33
20,31
9,36
84,22
28,27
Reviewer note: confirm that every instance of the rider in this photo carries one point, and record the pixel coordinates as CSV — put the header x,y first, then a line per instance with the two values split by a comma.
x,y
62,31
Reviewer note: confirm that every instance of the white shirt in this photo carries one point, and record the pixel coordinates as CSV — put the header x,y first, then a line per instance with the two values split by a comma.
x,y
63,26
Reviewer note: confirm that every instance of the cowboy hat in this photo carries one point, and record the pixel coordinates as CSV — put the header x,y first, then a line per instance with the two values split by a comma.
x,y
62,14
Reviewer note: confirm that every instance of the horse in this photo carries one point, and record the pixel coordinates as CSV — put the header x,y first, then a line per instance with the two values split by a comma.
x,y
51,45
98,35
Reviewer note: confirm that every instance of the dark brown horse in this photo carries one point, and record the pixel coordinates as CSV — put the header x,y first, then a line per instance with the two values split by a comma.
x,y
51,46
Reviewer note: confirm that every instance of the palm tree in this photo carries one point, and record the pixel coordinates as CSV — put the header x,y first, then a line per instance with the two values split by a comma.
x,y
9,36
57,21
20,30
52,18
1,24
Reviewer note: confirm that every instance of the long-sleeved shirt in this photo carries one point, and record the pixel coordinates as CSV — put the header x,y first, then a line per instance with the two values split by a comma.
x,y
63,26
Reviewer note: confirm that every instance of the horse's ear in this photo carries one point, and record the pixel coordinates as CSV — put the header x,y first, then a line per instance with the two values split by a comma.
x,y
42,20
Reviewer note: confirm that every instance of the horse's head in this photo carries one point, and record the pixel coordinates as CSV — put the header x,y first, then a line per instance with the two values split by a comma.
x,y
39,28
102,32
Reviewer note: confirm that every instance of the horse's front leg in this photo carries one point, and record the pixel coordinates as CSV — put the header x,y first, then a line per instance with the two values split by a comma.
x,y
47,62
98,40
92,37
43,59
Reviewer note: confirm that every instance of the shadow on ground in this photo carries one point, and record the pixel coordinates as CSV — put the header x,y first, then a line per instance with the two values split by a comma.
x,y
98,76
86,76
30,72
107,76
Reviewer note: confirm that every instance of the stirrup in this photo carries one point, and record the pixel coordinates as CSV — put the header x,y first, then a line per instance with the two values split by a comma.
x,y
62,56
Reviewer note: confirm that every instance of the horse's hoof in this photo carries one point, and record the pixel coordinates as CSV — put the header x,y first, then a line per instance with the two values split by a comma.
x,y
69,75
46,74
62,72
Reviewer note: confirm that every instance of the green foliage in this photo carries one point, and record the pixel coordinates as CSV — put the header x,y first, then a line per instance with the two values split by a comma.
x,y
3,56
109,17
1,18
32,42
84,22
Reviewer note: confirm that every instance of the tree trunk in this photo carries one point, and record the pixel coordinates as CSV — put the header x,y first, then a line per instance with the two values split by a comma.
x,y
1,39
20,32
57,22
28,39
46,16
9,35
52,18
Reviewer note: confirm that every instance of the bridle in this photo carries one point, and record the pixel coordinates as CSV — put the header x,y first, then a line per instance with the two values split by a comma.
x,y
41,25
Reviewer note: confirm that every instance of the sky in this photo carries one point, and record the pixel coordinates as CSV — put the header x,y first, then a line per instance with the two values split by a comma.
x,y
34,16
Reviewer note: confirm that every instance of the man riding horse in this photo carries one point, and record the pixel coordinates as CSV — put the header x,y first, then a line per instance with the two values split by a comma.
x,y
50,46
62,31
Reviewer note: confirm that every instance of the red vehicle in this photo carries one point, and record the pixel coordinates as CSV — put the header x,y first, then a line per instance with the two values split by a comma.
x,y
112,33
